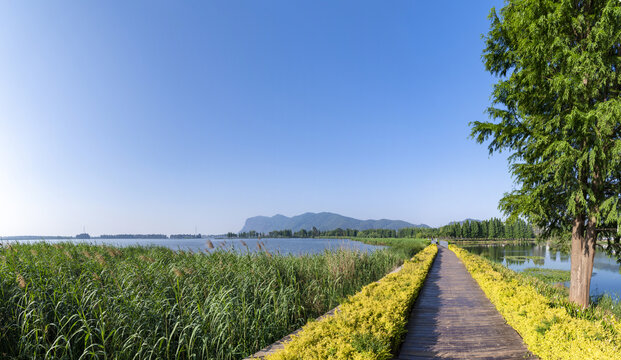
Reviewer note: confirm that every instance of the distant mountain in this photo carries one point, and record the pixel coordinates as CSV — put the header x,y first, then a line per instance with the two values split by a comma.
x,y
322,221
463,221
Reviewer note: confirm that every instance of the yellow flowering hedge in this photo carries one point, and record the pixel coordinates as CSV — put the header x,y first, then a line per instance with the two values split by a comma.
x,y
547,328
369,324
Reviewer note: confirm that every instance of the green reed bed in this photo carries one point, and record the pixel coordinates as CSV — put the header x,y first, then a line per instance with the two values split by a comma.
x,y
70,301
401,247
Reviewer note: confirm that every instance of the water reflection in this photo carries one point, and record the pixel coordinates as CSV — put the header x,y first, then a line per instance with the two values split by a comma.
x,y
606,270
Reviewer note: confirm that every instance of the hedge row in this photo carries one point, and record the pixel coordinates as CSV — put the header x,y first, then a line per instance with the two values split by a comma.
x,y
546,326
369,324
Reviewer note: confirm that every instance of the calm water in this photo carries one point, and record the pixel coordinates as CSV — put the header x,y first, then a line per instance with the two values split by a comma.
x,y
606,271
275,246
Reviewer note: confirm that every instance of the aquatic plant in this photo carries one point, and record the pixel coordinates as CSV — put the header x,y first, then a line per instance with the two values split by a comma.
x,y
69,301
548,275
404,247
369,324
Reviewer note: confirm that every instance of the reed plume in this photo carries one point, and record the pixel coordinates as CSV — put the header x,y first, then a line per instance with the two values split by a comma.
x,y
100,259
146,258
21,282
177,272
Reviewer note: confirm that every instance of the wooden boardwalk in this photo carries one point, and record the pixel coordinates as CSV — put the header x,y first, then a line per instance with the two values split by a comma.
x,y
453,319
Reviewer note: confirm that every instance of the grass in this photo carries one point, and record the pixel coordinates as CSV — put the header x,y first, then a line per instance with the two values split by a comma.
x,y
545,282
607,304
70,301
549,276
401,247
523,257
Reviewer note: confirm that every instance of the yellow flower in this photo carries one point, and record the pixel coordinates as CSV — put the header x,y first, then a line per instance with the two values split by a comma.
x,y
549,332
369,325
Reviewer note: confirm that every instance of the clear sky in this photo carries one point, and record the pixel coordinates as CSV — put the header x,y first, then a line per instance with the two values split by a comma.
x,y
159,116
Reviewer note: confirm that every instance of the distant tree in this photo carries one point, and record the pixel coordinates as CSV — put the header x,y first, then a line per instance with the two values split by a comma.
x,y
557,106
481,229
315,232
507,230
491,230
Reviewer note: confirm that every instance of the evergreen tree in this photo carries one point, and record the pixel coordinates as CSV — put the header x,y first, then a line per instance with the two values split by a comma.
x,y
491,232
476,229
557,106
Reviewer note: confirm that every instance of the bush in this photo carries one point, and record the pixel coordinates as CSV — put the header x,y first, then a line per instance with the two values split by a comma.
x,y
550,327
369,324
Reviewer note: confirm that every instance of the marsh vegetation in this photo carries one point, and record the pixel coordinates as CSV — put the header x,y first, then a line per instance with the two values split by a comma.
x,y
72,300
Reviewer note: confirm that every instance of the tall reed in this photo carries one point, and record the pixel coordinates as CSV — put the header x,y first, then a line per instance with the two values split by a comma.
x,y
73,301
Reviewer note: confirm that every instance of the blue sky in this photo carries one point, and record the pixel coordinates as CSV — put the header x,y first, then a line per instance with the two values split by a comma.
x,y
157,117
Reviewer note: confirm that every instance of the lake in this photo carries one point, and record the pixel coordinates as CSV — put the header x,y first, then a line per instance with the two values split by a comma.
x,y
606,271
294,246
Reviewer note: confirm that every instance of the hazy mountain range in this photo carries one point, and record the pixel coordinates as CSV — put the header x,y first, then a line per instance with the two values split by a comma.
x,y
322,221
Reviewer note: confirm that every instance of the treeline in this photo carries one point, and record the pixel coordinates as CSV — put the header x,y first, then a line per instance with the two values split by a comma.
x,y
471,229
314,232
372,233
245,235
134,236
186,236
489,229
143,236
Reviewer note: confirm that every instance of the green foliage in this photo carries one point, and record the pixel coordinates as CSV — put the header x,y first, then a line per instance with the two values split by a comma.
x,y
557,107
402,247
606,304
378,233
369,324
551,326
73,301
601,307
548,275
472,229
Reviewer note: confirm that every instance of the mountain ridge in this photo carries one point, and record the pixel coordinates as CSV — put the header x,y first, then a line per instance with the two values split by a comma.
x,y
322,221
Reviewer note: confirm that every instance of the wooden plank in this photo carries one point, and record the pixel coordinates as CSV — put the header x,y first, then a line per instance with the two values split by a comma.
x,y
453,319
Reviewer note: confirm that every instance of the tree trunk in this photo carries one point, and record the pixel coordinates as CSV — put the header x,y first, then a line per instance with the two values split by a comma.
x,y
582,255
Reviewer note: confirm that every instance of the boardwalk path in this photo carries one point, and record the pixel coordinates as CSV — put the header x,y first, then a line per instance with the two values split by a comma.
x,y
453,319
